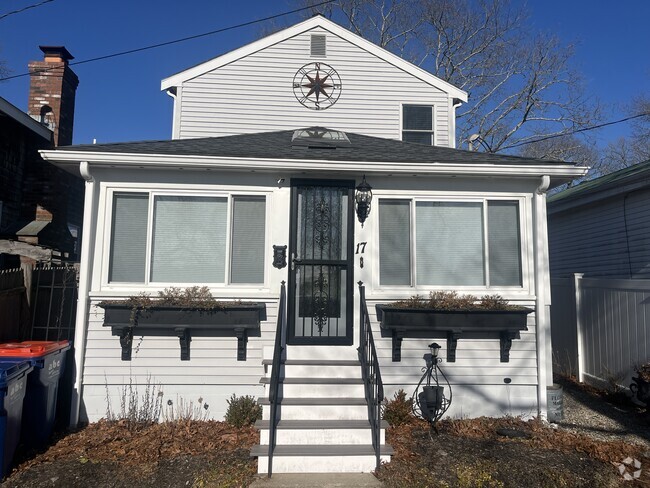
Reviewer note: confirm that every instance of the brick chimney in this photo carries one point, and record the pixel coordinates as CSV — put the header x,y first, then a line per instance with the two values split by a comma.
x,y
52,92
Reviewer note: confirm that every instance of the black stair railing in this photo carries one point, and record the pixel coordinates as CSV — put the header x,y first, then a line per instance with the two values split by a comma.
x,y
374,387
274,386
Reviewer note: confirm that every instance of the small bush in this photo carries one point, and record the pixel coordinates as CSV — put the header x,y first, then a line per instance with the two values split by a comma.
x,y
399,410
243,411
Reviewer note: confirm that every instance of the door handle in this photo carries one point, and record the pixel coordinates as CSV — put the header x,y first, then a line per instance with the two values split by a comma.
x,y
294,260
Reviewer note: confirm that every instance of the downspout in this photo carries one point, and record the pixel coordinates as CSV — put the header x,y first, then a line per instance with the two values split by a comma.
x,y
543,297
455,103
81,324
173,92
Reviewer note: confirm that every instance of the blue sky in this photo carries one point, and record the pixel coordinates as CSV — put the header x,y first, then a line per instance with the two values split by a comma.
x,y
120,99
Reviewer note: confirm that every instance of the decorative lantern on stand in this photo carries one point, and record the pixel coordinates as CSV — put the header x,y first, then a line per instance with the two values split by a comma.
x,y
429,400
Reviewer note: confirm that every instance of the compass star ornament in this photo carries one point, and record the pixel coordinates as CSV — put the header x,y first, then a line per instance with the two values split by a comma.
x,y
317,86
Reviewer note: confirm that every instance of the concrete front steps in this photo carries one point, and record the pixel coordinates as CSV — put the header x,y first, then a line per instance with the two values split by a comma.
x,y
323,417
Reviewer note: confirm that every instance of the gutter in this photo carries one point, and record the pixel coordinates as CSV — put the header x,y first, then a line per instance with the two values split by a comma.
x,y
83,300
543,297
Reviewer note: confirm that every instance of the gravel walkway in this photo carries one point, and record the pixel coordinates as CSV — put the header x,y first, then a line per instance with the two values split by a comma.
x,y
587,413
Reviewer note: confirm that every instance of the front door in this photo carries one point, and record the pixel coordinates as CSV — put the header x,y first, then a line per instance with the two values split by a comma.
x,y
320,276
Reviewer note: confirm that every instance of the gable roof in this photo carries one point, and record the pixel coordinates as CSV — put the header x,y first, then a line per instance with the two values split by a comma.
x,y
624,180
313,22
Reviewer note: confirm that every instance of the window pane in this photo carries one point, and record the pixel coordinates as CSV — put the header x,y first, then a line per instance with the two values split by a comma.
x,y
504,243
418,137
417,117
129,237
189,239
394,242
449,243
248,231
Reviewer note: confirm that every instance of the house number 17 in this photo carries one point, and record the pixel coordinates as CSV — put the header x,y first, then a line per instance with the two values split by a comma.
x,y
361,247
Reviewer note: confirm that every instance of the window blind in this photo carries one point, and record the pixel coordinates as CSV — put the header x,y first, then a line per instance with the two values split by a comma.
x,y
189,239
248,246
394,242
503,243
449,243
417,117
129,238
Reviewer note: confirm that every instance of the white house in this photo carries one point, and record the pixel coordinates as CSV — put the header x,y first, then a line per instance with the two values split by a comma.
x,y
269,142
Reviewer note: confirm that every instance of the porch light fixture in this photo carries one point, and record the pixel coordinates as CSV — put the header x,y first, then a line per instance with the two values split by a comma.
x,y
363,200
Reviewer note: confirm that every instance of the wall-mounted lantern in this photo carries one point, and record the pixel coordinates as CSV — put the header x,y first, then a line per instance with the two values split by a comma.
x,y
363,200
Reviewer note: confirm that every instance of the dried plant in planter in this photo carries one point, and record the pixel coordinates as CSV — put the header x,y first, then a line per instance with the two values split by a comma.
x,y
451,300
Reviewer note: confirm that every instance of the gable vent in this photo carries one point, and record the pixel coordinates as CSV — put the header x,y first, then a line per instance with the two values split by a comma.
x,y
318,45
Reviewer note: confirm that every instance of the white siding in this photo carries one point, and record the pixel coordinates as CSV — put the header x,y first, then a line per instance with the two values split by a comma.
x,y
213,372
477,376
609,238
255,94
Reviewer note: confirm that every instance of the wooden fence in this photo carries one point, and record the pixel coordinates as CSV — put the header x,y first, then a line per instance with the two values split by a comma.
x,y
600,328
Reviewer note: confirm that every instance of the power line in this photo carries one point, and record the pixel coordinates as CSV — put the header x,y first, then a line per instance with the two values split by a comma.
x,y
25,8
175,41
584,129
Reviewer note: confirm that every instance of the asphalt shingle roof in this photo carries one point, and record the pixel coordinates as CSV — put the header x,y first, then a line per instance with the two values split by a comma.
x,y
278,145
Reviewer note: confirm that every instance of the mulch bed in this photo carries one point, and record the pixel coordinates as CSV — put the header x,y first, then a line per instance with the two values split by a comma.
x,y
116,454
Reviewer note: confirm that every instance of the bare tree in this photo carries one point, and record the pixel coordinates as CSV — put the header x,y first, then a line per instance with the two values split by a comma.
x,y
520,82
628,151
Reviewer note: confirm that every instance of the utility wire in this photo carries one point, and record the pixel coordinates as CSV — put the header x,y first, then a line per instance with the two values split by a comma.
x,y
25,8
584,129
175,41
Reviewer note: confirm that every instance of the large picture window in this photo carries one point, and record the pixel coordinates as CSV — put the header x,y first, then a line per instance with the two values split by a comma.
x,y
185,238
456,243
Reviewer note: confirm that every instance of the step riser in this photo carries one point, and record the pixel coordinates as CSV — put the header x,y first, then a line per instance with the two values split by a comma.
x,y
316,352
319,412
318,371
320,464
298,390
320,436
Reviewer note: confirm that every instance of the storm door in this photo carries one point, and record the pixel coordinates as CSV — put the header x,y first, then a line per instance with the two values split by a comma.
x,y
321,262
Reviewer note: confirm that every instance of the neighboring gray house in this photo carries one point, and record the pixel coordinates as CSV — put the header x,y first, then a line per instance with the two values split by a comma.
x,y
599,244
602,227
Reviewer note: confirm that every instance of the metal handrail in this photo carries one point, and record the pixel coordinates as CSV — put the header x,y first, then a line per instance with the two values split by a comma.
x,y
374,387
274,400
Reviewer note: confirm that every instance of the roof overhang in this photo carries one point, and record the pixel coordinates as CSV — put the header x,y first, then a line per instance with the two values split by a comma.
x,y
335,29
25,120
70,160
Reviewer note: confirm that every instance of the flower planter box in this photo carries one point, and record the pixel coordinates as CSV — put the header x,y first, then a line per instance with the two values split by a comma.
x,y
232,321
423,322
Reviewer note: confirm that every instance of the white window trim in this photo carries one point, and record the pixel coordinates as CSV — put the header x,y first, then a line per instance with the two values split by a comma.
x,y
413,288
434,130
108,199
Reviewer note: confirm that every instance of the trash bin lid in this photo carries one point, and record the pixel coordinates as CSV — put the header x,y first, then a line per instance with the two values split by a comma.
x,y
10,369
31,349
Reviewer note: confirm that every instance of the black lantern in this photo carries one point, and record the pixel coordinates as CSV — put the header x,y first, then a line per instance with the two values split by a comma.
x,y
363,200
434,347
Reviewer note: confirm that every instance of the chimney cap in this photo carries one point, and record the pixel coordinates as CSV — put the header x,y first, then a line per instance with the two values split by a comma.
x,y
57,51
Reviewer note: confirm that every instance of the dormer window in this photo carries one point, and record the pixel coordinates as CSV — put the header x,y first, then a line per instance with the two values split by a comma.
x,y
417,124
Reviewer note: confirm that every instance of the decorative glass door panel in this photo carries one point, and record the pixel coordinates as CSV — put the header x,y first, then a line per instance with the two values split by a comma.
x,y
320,283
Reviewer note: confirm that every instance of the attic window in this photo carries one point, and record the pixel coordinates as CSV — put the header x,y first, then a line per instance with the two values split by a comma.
x,y
319,138
319,45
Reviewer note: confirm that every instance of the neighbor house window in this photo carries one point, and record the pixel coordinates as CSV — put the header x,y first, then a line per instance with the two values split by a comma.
x,y
456,243
417,124
185,238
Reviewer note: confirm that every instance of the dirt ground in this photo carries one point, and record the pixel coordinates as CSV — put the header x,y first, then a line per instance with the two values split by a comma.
x,y
465,453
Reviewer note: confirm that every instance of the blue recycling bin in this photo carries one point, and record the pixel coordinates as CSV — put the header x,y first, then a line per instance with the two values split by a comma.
x,y
13,385
39,406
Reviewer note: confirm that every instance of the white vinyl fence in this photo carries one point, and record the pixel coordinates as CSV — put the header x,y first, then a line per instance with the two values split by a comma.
x,y
600,327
